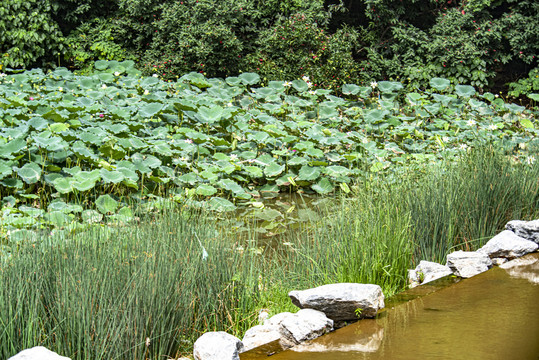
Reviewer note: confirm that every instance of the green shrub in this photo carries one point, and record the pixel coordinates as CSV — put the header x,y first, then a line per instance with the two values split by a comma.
x,y
28,34
297,46
95,40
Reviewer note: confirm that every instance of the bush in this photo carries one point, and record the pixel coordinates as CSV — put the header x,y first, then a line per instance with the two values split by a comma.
x,y
28,35
297,46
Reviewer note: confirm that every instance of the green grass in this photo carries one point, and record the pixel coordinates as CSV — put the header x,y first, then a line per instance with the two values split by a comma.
x,y
462,205
100,294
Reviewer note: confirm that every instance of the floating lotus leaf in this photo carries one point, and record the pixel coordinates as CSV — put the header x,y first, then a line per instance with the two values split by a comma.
x,y
465,90
249,78
220,204
309,173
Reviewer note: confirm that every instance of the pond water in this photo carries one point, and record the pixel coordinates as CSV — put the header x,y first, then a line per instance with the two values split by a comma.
x,y
494,315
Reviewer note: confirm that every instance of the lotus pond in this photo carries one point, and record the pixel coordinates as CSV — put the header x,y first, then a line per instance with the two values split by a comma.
x,y
82,149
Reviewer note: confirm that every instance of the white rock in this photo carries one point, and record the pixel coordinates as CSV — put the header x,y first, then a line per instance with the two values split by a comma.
x,y
528,230
217,345
38,353
508,245
306,324
278,318
341,301
468,263
259,335
428,271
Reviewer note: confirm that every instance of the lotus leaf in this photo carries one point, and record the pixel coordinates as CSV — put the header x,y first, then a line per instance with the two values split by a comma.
x,y
106,204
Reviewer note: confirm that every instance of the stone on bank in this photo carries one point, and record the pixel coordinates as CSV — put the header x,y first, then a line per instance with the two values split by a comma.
x,y
508,245
528,230
38,353
341,302
468,263
217,345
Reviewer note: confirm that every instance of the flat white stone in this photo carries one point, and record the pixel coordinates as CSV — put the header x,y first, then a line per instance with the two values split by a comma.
x,y
528,230
431,271
306,324
341,301
508,245
468,263
260,335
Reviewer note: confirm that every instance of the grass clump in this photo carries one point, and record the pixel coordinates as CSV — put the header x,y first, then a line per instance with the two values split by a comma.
x,y
463,204
137,293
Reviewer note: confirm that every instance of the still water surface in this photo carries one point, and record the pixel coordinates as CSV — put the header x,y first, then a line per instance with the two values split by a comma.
x,y
494,315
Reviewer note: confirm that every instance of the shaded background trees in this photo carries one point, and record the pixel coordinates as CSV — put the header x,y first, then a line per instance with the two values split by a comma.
x,y
484,43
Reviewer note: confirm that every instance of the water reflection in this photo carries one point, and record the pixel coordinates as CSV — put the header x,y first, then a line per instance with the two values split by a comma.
x,y
366,338
524,268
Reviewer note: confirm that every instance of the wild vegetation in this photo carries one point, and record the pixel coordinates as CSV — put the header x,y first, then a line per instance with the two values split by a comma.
x,y
150,290
333,141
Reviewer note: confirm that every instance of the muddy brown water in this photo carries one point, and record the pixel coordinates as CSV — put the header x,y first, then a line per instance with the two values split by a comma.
x,y
494,315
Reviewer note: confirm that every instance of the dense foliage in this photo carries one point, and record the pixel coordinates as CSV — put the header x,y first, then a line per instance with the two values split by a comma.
x,y
483,43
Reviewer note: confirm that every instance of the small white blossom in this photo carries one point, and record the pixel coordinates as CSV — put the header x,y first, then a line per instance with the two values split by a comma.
x,y
530,160
306,78
233,157
60,89
287,84
445,139
374,84
103,86
146,92
492,127
463,146
189,141
471,122
312,92
155,75
117,73
2,75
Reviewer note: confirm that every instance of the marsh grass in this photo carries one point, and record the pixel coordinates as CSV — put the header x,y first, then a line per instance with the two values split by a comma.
x,y
462,205
103,294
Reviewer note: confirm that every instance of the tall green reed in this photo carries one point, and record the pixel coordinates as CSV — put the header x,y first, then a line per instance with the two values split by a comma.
x,y
135,292
462,205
